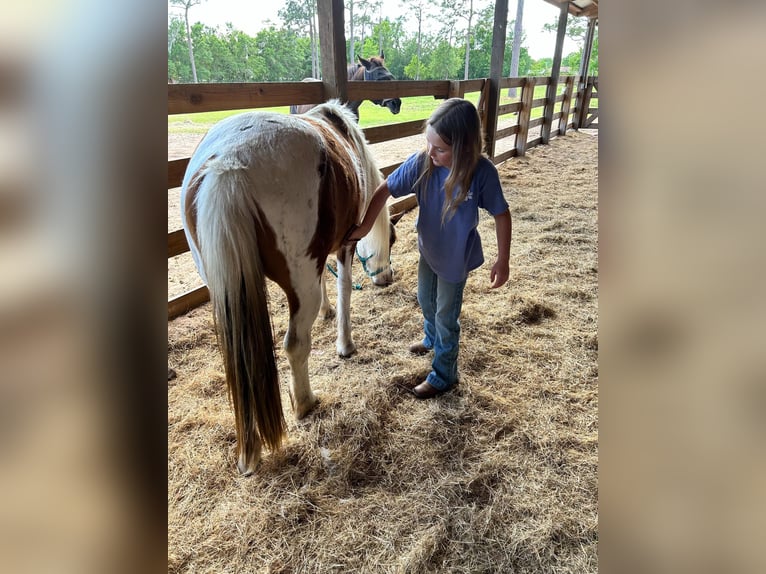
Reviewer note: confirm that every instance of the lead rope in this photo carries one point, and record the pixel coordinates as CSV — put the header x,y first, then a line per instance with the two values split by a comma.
x,y
363,261
332,270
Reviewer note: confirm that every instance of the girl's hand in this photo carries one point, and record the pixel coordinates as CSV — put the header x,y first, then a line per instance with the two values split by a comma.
x,y
499,275
353,234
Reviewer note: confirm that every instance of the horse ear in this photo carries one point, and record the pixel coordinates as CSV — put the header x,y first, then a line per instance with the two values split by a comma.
x,y
382,57
366,63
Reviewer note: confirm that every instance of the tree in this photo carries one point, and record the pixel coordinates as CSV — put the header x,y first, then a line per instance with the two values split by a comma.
x,y
300,16
419,9
186,5
517,31
468,40
175,33
576,30
350,37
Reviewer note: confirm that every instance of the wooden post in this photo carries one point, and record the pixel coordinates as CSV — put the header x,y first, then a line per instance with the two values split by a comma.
x,y
550,94
579,118
483,96
332,43
495,72
527,95
587,93
565,105
455,90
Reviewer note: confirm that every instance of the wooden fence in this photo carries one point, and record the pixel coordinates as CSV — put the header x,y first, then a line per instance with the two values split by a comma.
x,y
574,105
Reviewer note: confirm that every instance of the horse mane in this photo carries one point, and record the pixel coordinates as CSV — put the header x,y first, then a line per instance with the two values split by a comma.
x,y
343,120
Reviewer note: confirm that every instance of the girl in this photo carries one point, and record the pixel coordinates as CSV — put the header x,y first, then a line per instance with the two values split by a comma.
x,y
452,180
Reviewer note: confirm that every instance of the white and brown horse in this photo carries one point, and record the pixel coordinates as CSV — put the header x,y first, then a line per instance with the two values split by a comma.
x,y
272,195
372,70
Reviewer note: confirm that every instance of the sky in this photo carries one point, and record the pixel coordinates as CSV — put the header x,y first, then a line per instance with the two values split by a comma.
x,y
250,17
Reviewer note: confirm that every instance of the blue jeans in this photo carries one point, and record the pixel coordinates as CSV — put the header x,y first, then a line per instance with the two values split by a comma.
x,y
440,302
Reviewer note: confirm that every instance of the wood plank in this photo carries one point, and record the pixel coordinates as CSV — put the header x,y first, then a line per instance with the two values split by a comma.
x,y
439,89
527,91
188,301
509,108
534,143
505,132
514,82
539,102
191,98
176,171
390,168
566,104
177,243
469,86
482,106
536,122
455,90
504,156
591,118
389,132
403,204
584,104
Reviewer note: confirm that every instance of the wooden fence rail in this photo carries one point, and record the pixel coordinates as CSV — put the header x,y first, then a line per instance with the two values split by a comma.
x,y
192,98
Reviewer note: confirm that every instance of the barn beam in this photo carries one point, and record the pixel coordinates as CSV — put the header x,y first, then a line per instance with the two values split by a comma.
x,y
584,65
332,45
550,94
495,73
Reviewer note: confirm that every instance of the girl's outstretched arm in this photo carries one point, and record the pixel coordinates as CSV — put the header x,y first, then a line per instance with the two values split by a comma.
x,y
379,198
500,270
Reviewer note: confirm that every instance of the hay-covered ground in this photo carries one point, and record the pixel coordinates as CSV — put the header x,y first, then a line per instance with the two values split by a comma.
x,y
499,475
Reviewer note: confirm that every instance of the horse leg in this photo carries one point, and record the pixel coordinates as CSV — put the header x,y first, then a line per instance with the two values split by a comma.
x,y
325,309
344,344
297,345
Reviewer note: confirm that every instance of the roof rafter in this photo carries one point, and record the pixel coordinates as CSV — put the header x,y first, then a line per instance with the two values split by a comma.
x,y
579,8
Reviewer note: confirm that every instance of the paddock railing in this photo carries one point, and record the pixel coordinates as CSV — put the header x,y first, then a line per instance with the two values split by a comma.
x,y
574,107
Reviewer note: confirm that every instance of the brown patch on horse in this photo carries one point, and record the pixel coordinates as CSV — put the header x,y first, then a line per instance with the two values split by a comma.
x,y
273,260
340,192
190,205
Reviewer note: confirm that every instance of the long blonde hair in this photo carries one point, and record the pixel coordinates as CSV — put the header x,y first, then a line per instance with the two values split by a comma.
x,y
457,123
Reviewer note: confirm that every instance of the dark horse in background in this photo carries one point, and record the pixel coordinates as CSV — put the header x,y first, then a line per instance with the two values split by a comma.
x,y
372,70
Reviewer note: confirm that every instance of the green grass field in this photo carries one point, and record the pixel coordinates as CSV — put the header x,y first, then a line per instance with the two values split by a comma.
x,y
414,108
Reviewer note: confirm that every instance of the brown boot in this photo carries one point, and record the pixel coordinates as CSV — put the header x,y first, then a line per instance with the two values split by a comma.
x,y
419,348
426,391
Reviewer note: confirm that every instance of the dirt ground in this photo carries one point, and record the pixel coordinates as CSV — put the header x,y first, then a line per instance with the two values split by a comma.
x,y
499,475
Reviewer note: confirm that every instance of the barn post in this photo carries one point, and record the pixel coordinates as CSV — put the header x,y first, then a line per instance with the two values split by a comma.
x,y
550,94
566,104
495,73
332,44
527,95
581,115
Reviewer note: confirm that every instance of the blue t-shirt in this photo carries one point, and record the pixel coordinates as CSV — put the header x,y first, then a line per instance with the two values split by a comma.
x,y
454,248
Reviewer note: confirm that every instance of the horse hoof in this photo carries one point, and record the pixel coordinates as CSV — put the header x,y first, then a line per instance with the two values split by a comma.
x,y
327,314
303,410
245,468
346,351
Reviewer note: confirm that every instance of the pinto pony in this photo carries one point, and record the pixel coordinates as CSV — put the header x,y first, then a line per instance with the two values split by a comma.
x,y
372,70
272,195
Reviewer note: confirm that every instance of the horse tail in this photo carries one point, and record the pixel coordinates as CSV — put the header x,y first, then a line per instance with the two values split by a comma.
x,y
228,217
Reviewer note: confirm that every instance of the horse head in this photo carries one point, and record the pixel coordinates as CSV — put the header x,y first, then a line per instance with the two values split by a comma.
x,y
375,71
374,252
